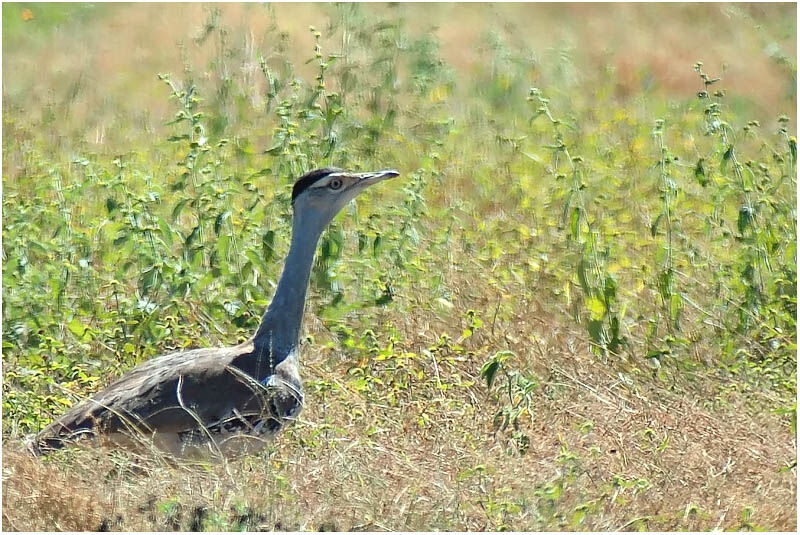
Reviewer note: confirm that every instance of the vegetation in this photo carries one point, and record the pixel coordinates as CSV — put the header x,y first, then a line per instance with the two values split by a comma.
x,y
576,310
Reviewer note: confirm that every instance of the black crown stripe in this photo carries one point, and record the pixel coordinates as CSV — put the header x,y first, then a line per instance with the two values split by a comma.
x,y
305,181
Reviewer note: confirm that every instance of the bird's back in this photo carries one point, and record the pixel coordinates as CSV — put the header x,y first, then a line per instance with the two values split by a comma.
x,y
191,402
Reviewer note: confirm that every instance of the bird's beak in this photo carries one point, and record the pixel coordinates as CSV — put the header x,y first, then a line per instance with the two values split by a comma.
x,y
368,179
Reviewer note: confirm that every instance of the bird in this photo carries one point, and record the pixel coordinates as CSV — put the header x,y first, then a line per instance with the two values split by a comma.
x,y
225,401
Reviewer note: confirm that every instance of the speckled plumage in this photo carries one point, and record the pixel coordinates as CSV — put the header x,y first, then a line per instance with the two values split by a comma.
x,y
189,398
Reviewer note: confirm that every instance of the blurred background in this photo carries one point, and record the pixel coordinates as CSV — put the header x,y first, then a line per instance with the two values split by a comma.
x,y
95,64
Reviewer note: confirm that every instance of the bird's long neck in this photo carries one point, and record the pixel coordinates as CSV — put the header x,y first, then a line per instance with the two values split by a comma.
x,y
279,331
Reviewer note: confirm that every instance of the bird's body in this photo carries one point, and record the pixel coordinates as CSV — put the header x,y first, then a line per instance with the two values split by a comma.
x,y
230,400
190,403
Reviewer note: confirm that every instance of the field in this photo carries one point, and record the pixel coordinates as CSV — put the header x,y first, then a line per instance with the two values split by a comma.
x,y
574,311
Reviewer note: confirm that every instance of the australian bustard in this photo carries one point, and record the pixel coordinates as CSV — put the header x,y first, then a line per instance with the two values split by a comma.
x,y
226,400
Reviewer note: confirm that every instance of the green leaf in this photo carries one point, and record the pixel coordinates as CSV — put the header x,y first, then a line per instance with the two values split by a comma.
x,y
223,243
595,328
111,205
192,235
665,284
248,268
616,340
149,279
582,279
275,149
489,371
745,218
80,330
675,306
700,173
166,231
536,158
575,222
268,245
597,309
492,366
725,157
256,260
121,238
262,172
657,353
220,220
176,212
654,226
567,204
610,290
385,298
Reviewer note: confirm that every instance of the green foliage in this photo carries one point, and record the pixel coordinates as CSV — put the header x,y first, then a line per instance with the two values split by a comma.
x,y
597,284
518,391
757,183
661,242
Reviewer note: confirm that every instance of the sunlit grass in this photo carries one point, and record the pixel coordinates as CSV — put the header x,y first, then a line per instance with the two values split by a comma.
x,y
575,311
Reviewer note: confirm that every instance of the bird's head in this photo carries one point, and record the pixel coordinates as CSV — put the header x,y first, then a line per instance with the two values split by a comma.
x,y
319,195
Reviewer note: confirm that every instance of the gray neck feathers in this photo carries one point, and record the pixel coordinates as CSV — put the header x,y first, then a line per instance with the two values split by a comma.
x,y
279,331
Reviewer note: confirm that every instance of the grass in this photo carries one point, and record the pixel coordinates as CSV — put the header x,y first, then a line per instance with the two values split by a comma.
x,y
575,311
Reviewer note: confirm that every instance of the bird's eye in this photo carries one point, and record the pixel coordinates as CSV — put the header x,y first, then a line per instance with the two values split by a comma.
x,y
336,183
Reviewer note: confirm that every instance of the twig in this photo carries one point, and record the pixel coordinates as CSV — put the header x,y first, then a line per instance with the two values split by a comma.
x,y
632,522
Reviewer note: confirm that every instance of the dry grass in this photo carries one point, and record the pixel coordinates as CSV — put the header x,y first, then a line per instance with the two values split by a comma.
x,y
650,455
